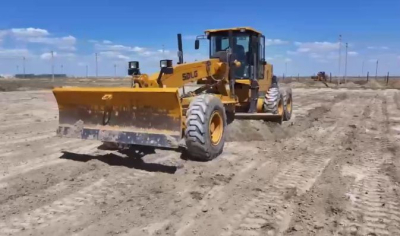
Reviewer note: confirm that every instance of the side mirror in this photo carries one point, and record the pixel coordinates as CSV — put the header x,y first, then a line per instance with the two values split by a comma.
x,y
197,44
264,62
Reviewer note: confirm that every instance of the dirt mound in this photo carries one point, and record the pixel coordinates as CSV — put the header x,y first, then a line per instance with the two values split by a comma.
x,y
297,85
395,84
350,85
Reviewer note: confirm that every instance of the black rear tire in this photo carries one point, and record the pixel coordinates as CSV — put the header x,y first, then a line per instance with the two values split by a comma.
x,y
199,142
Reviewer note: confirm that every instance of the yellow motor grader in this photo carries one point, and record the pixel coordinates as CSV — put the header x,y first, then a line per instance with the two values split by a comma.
x,y
321,76
187,104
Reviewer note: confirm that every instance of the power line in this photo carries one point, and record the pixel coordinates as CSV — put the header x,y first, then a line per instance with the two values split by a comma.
x,y
340,55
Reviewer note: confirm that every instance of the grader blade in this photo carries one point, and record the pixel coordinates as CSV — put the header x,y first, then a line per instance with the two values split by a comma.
x,y
138,116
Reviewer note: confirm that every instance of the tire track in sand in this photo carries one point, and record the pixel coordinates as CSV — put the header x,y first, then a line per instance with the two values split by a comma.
x,y
47,160
374,201
68,211
269,213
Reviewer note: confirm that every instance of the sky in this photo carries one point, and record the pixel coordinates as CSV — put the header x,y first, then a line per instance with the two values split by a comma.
x,y
302,36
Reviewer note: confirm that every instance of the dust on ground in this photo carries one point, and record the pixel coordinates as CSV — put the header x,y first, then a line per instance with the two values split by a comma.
x,y
331,170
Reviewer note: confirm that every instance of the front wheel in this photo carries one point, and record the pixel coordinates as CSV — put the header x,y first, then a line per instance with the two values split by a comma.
x,y
205,127
274,103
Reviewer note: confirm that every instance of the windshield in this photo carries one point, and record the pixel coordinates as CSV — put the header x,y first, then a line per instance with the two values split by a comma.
x,y
241,42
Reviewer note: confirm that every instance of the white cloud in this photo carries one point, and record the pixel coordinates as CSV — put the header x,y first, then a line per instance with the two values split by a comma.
x,y
319,51
14,53
47,55
303,50
317,46
137,49
269,42
292,52
118,47
92,41
67,48
148,53
163,51
2,34
29,32
315,50
288,59
352,53
375,47
315,55
322,60
269,58
42,36
67,55
68,40
114,55
123,57
372,60
107,42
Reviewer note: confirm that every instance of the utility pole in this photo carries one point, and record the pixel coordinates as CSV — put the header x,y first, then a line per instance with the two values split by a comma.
x,y
345,66
62,67
17,69
87,70
163,51
340,55
115,70
97,70
376,72
52,66
23,65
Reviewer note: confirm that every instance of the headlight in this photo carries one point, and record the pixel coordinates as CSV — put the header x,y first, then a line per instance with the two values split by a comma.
x,y
133,65
166,63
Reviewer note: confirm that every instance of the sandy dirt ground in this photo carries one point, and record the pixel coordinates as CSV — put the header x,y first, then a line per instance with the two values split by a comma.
x,y
332,170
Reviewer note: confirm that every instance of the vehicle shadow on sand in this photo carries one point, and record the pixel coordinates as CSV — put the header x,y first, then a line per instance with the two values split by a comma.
x,y
133,160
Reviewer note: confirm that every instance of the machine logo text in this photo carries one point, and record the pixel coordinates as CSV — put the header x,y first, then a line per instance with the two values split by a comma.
x,y
190,75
